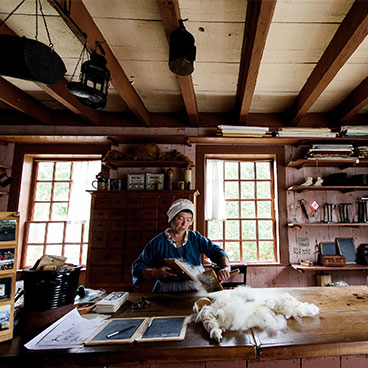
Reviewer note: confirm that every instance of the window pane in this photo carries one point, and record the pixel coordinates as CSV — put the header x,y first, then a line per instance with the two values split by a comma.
x,y
249,229
61,191
215,229
232,230
265,229
247,170
45,170
34,252
266,251
62,171
84,255
59,211
86,232
73,233
263,170
232,209
71,252
54,250
264,189
264,209
55,233
36,233
43,191
249,250
41,211
231,190
233,250
231,170
247,190
248,209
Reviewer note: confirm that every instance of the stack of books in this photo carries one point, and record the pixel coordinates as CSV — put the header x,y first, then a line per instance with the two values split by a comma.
x,y
305,132
112,302
242,131
354,131
331,151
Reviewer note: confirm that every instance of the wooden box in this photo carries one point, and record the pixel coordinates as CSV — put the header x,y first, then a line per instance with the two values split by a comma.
x,y
332,261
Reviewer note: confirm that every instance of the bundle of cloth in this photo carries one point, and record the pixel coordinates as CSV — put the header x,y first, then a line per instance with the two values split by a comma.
x,y
238,310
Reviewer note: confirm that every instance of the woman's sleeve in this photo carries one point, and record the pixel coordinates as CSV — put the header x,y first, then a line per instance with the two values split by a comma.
x,y
145,260
213,251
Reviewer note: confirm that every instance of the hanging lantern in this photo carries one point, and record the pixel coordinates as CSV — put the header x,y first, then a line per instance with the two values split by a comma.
x,y
31,60
92,88
182,51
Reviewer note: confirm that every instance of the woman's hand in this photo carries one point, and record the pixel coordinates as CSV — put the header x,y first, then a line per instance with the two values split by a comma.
x,y
224,273
163,272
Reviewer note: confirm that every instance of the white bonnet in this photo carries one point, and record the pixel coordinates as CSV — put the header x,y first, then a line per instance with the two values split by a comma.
x,y
178,206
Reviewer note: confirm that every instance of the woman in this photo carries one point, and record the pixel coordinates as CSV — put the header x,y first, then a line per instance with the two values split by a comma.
x,y
177,242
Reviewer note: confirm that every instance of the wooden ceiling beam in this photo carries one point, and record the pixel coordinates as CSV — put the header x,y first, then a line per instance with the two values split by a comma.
x,y
350,34
60,94
353,103
80,20
170,15
257,24
21,101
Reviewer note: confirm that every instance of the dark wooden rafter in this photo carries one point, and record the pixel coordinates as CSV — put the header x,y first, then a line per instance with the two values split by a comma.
x,y
79,16
350,34
21,101
257,24
59,93
353,103
170,15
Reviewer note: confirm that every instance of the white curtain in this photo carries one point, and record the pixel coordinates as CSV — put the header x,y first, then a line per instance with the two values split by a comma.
x,y
84,172
215,198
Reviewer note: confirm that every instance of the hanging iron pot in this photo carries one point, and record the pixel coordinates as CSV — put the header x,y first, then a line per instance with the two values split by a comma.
x,y
30,60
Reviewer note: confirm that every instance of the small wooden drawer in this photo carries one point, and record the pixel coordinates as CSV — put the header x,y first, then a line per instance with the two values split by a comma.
x,y
134,213
146,237
104,275
132,225
131,254
165,202
99,239
116,213
116,239
149,213
116,225
132,239
101,257
100,225
118,202
101,214
150,202
102,203
134,202
148,224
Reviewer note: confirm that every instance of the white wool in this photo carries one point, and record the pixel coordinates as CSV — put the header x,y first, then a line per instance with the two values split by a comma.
x,y
238,310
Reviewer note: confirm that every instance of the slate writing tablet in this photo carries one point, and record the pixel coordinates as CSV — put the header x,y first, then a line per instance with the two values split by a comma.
x,y
171,328
347,249
329,249
118,330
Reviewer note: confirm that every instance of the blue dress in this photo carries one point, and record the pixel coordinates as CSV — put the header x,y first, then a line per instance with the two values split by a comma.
x,y
159,248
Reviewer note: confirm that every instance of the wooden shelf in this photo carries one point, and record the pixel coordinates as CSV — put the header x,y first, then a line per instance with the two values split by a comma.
x,y
4,166
346,224
348,267
3,193
342,164
341,188
139,163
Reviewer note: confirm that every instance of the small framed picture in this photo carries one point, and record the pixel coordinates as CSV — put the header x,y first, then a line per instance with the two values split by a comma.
x,y
8,230
7,257
5,288
135,181
5,318
154,181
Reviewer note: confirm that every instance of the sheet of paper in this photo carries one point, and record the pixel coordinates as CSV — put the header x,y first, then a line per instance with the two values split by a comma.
x,y
68,332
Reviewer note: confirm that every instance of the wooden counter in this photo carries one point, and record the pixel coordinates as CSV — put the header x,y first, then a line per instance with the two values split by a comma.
x,y
340,330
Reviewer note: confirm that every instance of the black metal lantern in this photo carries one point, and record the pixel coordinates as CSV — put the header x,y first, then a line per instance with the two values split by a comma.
x,y
92,88
182,51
